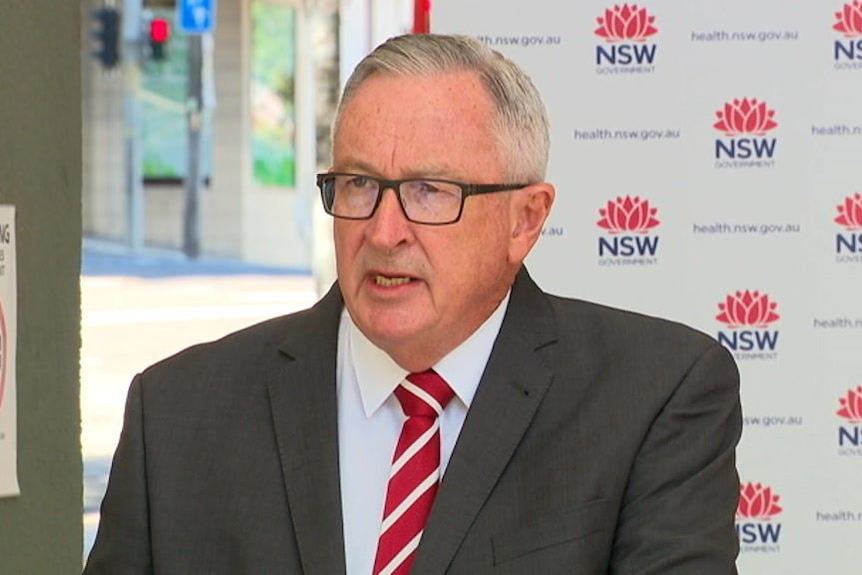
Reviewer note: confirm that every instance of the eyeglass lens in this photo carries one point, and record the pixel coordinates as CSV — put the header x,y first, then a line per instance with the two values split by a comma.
x,y
430,201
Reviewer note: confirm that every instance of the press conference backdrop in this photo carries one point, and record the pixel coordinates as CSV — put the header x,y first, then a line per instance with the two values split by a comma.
x,y
708,160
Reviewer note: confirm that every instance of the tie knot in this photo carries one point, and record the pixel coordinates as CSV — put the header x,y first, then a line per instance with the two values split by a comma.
x,y
424,394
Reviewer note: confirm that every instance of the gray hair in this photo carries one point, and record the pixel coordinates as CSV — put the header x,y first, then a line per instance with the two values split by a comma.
x,y
521,121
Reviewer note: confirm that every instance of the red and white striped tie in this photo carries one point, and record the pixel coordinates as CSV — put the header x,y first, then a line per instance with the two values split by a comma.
x,y
415,473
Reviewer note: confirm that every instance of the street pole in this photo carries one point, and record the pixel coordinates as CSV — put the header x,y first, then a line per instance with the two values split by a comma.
x,y
132,11
192,215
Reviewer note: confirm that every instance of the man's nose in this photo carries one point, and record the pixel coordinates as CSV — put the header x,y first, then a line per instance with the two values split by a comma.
x,y
388,226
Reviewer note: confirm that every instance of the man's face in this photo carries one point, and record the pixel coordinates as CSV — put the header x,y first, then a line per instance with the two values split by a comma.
x,y
417,291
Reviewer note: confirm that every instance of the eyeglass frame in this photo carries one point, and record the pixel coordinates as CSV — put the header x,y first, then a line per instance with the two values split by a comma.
x,y
467,190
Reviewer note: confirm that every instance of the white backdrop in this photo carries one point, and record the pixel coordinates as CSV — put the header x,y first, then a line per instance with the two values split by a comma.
x,y
708,160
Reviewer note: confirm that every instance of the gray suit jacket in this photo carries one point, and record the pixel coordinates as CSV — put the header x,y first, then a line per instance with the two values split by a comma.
x,y
599,441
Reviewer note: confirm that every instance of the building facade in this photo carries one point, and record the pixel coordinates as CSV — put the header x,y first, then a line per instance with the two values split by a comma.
x,y
272,72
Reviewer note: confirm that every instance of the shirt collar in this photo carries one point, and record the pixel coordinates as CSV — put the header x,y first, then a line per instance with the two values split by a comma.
x,y
378,375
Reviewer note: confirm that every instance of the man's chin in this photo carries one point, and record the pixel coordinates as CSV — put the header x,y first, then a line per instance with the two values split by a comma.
x,y
380,329
389,330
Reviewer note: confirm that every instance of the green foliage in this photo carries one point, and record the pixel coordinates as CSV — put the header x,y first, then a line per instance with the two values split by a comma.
x,y
273,89
275,173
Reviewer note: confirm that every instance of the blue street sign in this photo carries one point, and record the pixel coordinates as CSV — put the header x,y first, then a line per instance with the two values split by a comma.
x,y
196,16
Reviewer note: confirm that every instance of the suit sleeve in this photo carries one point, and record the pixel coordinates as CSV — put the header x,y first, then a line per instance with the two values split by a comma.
x,y
122,545
681,497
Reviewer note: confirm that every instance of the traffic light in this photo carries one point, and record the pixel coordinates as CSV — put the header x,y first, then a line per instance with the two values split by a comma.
x,y
160,33
107,35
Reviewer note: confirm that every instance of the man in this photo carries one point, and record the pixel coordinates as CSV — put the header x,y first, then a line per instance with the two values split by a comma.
x,y
571,437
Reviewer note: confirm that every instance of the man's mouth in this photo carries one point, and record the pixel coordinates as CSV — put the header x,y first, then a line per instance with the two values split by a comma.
x,y
386,281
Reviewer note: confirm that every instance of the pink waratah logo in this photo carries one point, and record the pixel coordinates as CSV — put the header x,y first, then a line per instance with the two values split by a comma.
x,y
626,22
756,501
628,214
850,213
747,308
746,116
850,20
851,406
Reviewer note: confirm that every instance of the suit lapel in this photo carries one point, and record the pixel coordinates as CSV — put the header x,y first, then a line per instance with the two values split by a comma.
x,y
510,391
304,412
304,415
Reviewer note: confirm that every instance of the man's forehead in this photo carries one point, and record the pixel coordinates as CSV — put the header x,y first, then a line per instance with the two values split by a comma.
x,y
416,126
455,84
456,98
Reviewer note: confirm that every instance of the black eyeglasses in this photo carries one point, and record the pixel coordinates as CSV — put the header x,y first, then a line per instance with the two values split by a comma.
x,y
423,201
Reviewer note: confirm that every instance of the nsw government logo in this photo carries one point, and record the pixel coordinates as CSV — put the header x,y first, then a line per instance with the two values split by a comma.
x,y
626,30
849,440
847,51
848,244
747,316
756,527
746,125
628,222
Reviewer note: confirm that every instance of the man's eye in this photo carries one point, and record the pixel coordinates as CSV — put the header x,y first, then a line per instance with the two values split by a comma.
x,y
426,187
437,190
429,188
360,182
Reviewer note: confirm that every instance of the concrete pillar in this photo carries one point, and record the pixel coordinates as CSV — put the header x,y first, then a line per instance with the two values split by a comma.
x,y
40,173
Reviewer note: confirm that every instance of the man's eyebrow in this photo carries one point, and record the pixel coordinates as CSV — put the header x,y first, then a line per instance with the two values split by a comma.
x,y
431,172
360,166
354,165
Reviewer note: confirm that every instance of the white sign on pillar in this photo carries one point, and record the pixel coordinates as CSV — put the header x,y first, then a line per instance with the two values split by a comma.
x,y
8,337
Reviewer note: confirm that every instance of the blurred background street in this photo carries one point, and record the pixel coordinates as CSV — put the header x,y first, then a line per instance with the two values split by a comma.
x,y
139,309
201,139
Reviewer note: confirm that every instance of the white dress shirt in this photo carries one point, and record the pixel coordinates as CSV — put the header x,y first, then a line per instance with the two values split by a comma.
x,y
370,420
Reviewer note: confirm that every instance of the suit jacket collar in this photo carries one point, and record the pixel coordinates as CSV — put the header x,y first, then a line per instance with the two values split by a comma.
x,y
304,414
512,386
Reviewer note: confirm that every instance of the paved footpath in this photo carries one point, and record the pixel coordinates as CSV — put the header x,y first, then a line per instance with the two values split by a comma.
x,y
135,312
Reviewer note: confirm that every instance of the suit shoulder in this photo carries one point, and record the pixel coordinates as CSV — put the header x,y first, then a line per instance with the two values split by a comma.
x,y
617,327
247,349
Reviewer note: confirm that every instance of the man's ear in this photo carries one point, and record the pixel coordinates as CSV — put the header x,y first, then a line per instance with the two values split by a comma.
x,y
530,207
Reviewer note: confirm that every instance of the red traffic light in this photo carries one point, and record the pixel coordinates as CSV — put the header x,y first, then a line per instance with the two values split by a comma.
x,y
160,31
